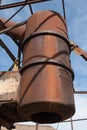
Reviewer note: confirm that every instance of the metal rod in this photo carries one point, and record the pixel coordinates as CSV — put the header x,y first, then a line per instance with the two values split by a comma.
x,y
14,14
10,34
19,56
10,28
36,126
57,126
31,8
83,119
11,67
64,12
71,124
80,92
7,50
21,3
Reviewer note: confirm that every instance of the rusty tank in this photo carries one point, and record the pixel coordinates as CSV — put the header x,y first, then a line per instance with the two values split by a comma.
x,y
46,87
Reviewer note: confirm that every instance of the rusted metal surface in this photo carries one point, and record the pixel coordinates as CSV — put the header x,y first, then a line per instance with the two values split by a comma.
x,y
48,21
46,88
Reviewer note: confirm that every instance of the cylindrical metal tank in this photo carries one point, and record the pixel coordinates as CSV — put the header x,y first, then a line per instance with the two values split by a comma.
x,y
46,87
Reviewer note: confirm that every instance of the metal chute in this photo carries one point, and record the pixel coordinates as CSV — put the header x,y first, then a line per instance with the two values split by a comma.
x,y
46,88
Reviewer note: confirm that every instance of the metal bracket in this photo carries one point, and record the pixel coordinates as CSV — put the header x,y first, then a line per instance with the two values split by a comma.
x,y
78,50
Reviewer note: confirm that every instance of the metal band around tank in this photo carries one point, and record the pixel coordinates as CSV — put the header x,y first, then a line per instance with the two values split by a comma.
x,y
50,62
46,32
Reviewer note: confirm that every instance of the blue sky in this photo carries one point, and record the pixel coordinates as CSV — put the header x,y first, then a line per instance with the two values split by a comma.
x,y
76,17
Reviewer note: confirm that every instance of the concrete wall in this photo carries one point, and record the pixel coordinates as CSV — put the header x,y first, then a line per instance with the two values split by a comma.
x,y
31,127
9,82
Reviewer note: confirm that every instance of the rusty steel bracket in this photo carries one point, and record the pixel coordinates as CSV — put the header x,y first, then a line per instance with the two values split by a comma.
x,y
78,50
